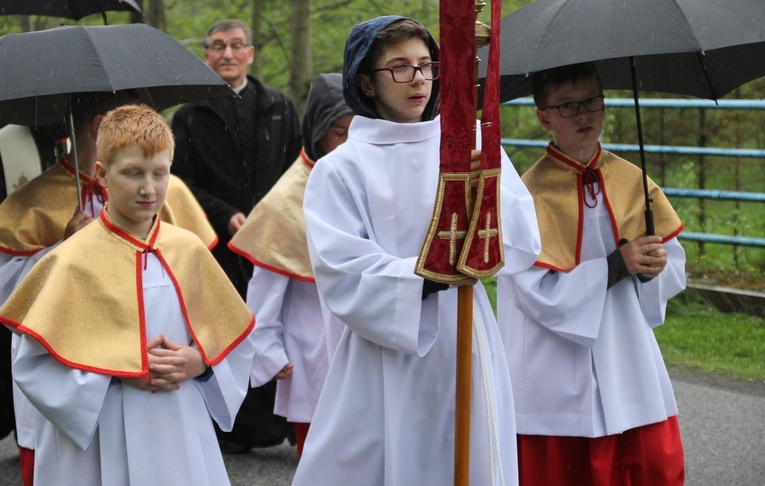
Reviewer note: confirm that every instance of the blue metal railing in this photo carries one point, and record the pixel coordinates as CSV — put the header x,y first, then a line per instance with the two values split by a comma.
x,y
715,194
650,149
665,103
679,150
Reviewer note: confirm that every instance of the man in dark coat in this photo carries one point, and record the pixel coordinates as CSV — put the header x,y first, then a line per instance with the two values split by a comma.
x,y
230,151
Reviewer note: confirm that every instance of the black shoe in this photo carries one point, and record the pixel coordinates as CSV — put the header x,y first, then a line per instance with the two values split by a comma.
x,y
228,447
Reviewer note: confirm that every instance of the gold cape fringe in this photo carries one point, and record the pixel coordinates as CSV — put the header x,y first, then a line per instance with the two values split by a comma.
x,y
555,184
34,216
273,237
84,300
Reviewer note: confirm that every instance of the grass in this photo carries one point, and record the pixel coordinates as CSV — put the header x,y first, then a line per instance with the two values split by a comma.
x,y
699,337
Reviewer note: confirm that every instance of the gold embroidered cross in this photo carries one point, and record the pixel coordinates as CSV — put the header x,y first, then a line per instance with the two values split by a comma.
x,y
487,234
452,235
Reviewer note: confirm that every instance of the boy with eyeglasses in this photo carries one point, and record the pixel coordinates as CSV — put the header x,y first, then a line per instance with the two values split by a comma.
x,y
593,400
386,412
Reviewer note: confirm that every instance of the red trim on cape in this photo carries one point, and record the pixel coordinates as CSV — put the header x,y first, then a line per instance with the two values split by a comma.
x,y
214,243
8,251
268,267
306,160
71,364
205,358
141,313
675,233
70,168
555,153
611,215
127,236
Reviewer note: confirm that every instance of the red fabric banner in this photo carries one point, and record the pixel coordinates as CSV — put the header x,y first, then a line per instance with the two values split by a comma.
x,y
482,255
460,244
451,214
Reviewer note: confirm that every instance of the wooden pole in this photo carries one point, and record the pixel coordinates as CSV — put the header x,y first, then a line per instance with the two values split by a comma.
x,y
465,325
462,406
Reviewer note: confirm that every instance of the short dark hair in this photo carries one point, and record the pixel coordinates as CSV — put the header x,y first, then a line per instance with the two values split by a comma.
x,y
571,73
89,104
225,26
396,32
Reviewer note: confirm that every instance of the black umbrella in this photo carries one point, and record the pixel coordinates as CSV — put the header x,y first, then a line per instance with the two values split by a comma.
x,y
70,9
40,71
703,48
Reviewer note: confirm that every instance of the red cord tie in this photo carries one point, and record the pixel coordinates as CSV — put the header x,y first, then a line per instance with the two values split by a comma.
x,y
590,178
146,252
93,189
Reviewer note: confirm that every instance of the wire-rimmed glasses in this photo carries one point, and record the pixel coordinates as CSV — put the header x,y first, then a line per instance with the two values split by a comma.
x,y
405,73
219,47
571,108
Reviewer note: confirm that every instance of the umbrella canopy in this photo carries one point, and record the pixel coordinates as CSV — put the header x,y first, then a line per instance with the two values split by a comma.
x,y
39,70
70,9
703,48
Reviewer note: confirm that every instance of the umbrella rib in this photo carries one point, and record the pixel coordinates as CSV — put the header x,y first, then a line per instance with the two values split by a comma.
x,y
700,56
688,26
100,59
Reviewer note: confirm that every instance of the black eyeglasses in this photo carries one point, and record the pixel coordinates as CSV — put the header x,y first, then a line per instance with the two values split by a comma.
x,y
405,73
571,109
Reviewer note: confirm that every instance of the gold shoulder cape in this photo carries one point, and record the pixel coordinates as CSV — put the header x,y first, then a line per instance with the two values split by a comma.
x,y
84,300
555,183
34,216
273,237
183,209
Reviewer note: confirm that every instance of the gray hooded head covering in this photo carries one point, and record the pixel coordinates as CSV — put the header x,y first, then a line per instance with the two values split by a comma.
x,y
356,49
324,105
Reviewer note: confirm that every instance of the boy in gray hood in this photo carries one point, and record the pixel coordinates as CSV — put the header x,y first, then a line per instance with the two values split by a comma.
x,y
386,413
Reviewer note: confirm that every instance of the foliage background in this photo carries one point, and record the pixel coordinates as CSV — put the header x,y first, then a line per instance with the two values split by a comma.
x,y
329,22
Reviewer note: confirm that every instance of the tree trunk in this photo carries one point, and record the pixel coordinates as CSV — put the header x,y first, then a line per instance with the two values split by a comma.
x,y
135,17
300,53
258,6
154,15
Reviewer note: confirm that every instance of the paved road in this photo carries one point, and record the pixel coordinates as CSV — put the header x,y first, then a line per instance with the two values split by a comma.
x,y
722,422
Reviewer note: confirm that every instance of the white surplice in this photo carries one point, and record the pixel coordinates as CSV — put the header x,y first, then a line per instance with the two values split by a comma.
x,y
583,358
101,432
12,270
290,329
386,413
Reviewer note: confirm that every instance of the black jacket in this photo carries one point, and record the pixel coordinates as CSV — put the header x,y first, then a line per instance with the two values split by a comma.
x,y
214,161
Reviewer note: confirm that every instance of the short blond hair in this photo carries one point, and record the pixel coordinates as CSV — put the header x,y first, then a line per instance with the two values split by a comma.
x,y
133,125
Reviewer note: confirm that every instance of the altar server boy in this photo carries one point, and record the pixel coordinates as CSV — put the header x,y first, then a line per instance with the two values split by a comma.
x,y
386,413
593,400
132,336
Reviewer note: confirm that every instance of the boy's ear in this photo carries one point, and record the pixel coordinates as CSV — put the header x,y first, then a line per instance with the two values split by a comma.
x,y
544,119
101,173
366,86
